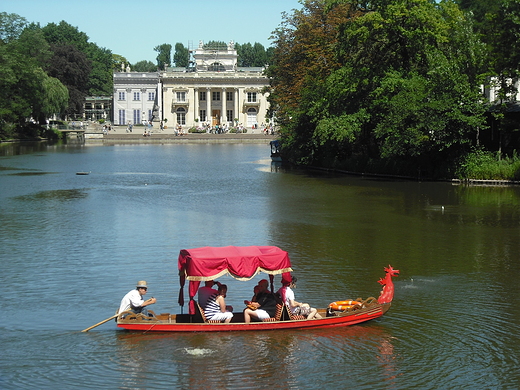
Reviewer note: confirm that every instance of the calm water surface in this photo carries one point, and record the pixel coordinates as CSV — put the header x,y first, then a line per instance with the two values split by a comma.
x,y
71,246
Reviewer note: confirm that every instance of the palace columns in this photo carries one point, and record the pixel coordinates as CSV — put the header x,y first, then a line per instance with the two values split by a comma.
x,y
237,105
224,107
208,106
196,104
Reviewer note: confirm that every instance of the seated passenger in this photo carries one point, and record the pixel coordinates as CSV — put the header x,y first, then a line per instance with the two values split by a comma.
x,y
205,292
296,308
256,290
265,304
216,306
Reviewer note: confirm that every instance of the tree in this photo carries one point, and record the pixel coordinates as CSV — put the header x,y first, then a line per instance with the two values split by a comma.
x,y
119,62
144,66
399,81
181,57
215,45
11,26
100,79
164,58
72,67
251,55
304,49
52,98
33,45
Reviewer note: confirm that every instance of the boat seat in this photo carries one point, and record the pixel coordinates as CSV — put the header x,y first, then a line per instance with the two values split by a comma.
x,y
287,315
277,314
203,315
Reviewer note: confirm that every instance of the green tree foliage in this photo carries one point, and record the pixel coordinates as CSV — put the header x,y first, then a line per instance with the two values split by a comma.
x,y
399,81
181,57
144,66
26,91
72,67
215,45
164,58
11,26
53,98
252,55
498,26
304,50
100,79
119,62
32,44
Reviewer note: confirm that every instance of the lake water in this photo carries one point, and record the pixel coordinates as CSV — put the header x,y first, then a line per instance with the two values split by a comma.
x,y
71,246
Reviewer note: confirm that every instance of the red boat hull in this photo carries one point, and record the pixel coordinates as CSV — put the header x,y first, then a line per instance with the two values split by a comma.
x,y
326,322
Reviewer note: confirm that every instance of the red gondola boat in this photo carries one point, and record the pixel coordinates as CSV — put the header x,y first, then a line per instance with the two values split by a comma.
x,y
243,263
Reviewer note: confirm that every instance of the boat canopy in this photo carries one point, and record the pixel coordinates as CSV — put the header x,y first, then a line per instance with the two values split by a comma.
x,y
241,262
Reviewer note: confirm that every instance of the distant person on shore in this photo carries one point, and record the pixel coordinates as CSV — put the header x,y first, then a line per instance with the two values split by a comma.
x,y
134,301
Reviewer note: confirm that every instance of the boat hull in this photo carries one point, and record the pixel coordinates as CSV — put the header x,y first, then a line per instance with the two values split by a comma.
x,y
171,325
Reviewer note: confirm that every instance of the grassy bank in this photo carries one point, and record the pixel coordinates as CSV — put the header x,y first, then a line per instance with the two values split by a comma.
x,y
482,165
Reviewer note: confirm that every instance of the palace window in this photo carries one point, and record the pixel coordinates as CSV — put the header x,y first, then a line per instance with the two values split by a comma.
x,y
216,67
229,114
121,96
181,116
122,118
251,97
137,96
181,96
202,115
202,95
229,96
251,117
151,96
137,116
216,96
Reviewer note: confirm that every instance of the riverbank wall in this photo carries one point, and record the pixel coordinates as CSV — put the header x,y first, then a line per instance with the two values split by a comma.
x,y
162,138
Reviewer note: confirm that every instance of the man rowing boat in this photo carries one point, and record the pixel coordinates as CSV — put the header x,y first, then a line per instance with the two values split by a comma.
x,y
134,301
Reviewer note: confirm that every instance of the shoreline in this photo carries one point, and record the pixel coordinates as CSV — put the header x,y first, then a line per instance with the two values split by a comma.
x,y
172,138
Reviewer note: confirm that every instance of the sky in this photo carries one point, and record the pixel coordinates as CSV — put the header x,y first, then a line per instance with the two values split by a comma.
x,y
132,28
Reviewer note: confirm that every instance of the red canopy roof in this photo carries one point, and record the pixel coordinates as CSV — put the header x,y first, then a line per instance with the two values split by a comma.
x,y
241,262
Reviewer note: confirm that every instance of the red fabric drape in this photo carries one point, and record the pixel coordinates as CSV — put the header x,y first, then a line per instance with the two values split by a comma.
x,y
245,262
208,263
194,287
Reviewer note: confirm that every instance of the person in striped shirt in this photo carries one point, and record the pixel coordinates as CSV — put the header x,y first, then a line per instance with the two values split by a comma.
x,y
216,306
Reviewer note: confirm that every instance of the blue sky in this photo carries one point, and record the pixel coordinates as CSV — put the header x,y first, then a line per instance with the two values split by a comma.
x,y
133,28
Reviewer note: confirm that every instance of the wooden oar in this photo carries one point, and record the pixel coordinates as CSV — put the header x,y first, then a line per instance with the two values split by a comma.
x,y
100,323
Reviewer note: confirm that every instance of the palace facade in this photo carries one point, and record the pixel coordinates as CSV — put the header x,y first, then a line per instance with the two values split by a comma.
x,y
213,90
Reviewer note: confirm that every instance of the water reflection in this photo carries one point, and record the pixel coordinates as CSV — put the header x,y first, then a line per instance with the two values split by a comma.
x,y
277,359
53,195
72,245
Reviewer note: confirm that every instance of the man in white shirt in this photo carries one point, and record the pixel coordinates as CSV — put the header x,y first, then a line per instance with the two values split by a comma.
x,y
134,301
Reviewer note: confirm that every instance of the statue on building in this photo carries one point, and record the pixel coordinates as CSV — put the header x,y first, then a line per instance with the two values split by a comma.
x,y
231,45
128,68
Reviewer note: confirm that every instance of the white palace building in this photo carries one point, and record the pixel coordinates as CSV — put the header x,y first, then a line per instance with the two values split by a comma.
x,y
212,91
